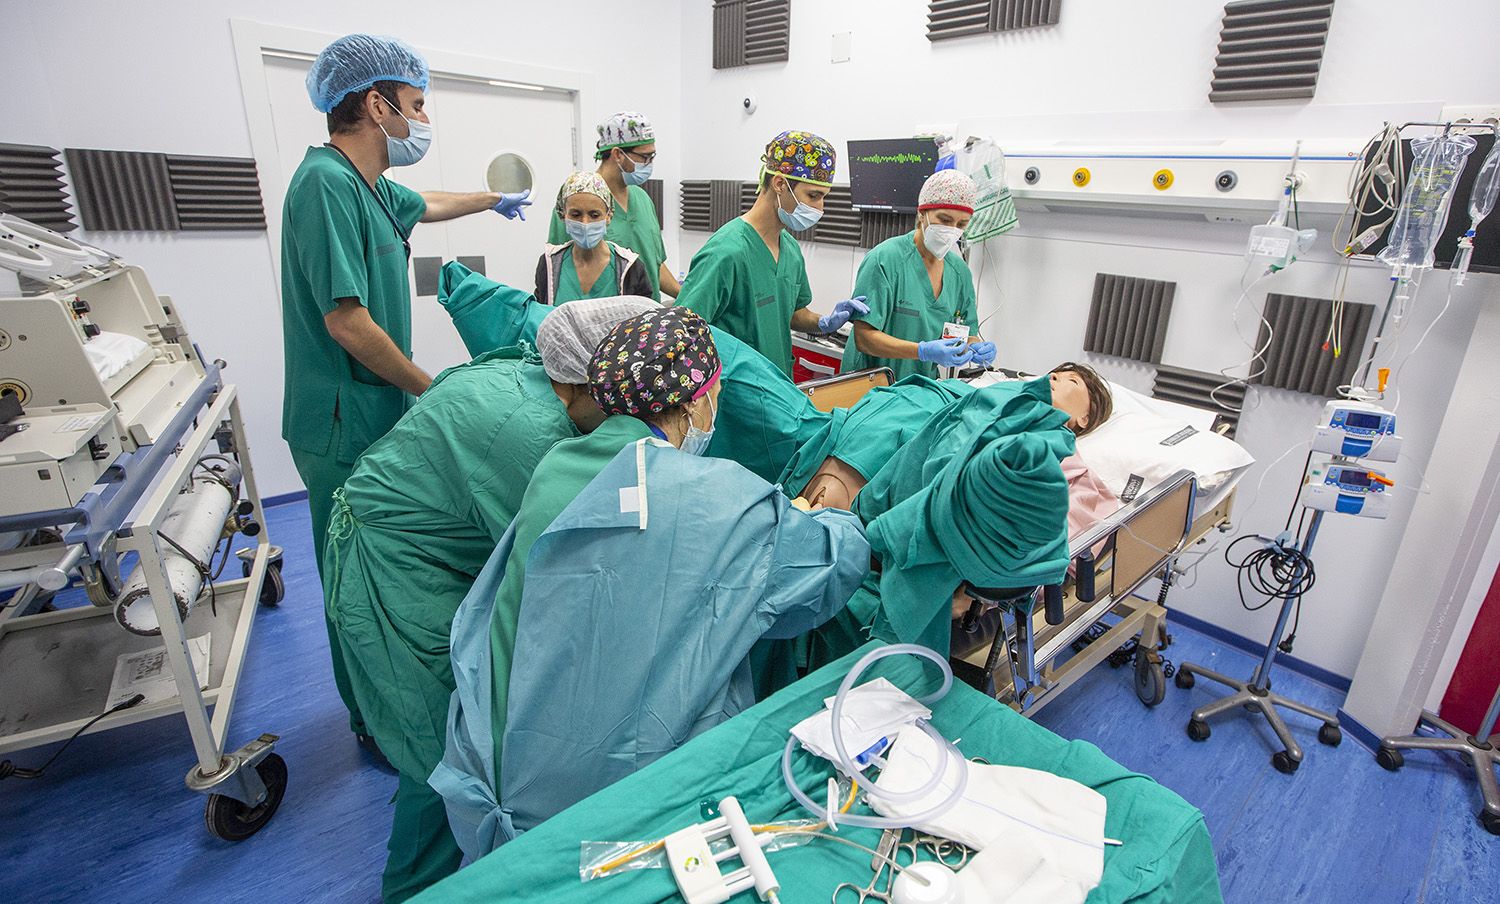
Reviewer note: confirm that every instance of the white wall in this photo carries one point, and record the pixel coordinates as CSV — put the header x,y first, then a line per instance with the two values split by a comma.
x,y
163,77
1133,71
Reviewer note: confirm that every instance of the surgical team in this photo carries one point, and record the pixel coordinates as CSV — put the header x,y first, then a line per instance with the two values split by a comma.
x,y
621,523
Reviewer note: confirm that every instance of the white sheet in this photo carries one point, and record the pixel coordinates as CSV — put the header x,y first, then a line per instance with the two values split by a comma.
x,y
111,353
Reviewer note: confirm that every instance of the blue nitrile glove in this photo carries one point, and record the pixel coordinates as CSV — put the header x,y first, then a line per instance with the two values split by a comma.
x,y
984,353
841,313
946,352
512,205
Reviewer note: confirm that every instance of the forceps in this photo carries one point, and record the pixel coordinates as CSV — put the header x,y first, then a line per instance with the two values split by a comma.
x,y
890,840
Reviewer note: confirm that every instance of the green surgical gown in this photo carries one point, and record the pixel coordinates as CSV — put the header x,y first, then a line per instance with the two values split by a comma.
x,y
763,418
424,508
893,279
977,495
559,478
736,285
487,314
635,227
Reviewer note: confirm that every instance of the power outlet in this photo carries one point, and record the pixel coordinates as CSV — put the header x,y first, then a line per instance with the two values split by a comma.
x,y
1480,114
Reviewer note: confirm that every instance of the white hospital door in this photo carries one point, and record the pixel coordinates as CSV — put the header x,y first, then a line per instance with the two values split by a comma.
x,y
472,123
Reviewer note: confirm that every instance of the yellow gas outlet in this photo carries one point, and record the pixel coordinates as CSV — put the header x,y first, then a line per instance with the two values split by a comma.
x,y
1081,176
1162,180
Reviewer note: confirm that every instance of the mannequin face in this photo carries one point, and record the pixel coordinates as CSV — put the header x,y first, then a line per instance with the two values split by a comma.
x,y
1069,394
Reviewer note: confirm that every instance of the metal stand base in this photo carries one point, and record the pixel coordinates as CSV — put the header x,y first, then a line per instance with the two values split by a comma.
x,y
1262,700
1484,756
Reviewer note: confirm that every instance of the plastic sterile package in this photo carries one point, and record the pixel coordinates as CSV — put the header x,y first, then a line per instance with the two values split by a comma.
x,y
602,859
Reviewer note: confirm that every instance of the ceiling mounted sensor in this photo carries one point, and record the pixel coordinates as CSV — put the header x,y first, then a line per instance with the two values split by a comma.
x,y
509,173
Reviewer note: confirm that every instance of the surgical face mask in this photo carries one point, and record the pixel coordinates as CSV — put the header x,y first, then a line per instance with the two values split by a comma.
x,y
586,235
696,441
408,150
639,175
940,239
802,218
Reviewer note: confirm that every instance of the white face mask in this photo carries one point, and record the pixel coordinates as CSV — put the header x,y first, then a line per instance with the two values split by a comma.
x,y
940,239
695,442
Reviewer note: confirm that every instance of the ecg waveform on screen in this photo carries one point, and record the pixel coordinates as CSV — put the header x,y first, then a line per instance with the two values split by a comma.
x,y
890,158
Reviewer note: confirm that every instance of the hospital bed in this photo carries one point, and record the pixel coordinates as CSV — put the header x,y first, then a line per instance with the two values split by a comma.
x,y
1165,856
1018,644
1026,654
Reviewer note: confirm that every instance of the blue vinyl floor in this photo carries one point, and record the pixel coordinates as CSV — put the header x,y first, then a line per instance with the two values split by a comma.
x,y
112,822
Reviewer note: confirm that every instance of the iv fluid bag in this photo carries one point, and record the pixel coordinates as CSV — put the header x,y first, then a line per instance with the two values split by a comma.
x,y
1486,186
1436,163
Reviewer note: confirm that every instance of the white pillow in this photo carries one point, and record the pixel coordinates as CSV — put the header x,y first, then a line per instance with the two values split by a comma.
x,y
1144,442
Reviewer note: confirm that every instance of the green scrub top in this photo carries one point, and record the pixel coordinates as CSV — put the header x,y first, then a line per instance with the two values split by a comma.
x,y
736,285
421,514
569,288
893,278
635,227
560,476
338,243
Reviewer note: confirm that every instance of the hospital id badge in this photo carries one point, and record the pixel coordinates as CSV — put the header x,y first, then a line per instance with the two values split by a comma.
x,y
953,330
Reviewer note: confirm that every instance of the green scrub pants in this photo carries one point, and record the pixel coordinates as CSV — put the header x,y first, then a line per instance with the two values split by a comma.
x,y
422,848
322,474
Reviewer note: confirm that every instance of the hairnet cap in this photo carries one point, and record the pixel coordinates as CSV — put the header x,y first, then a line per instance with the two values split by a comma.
x,y
659,360
356,62
625,129
800,155
568,336
947,189
587,183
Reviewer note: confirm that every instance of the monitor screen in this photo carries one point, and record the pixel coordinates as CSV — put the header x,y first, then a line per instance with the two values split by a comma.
x,y
887,173
1354,478
1361,420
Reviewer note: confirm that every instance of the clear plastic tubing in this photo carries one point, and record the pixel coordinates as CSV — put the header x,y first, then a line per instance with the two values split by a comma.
x,y
847,765
1436,163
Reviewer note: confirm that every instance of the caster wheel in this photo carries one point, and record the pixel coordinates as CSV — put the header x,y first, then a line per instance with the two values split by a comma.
x,y
1284,763
1490,821
1389,758
1198,730
231,820
273,588
1184,679
1331,735
1150,683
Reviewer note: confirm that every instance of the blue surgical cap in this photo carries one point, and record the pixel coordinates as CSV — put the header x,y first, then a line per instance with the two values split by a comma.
x,y
357,62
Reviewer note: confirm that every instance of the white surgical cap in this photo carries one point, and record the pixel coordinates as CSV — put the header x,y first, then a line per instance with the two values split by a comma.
x,y
569,335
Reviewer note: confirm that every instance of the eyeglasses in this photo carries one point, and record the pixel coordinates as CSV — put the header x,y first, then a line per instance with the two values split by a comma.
x,y
644,158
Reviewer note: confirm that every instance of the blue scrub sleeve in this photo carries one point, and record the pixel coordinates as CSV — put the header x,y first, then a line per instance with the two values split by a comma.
x,y
820,558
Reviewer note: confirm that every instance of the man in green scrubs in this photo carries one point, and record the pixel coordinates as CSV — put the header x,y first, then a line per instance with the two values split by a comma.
x,y
920,291
748,278
626,153
345,299
412,528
